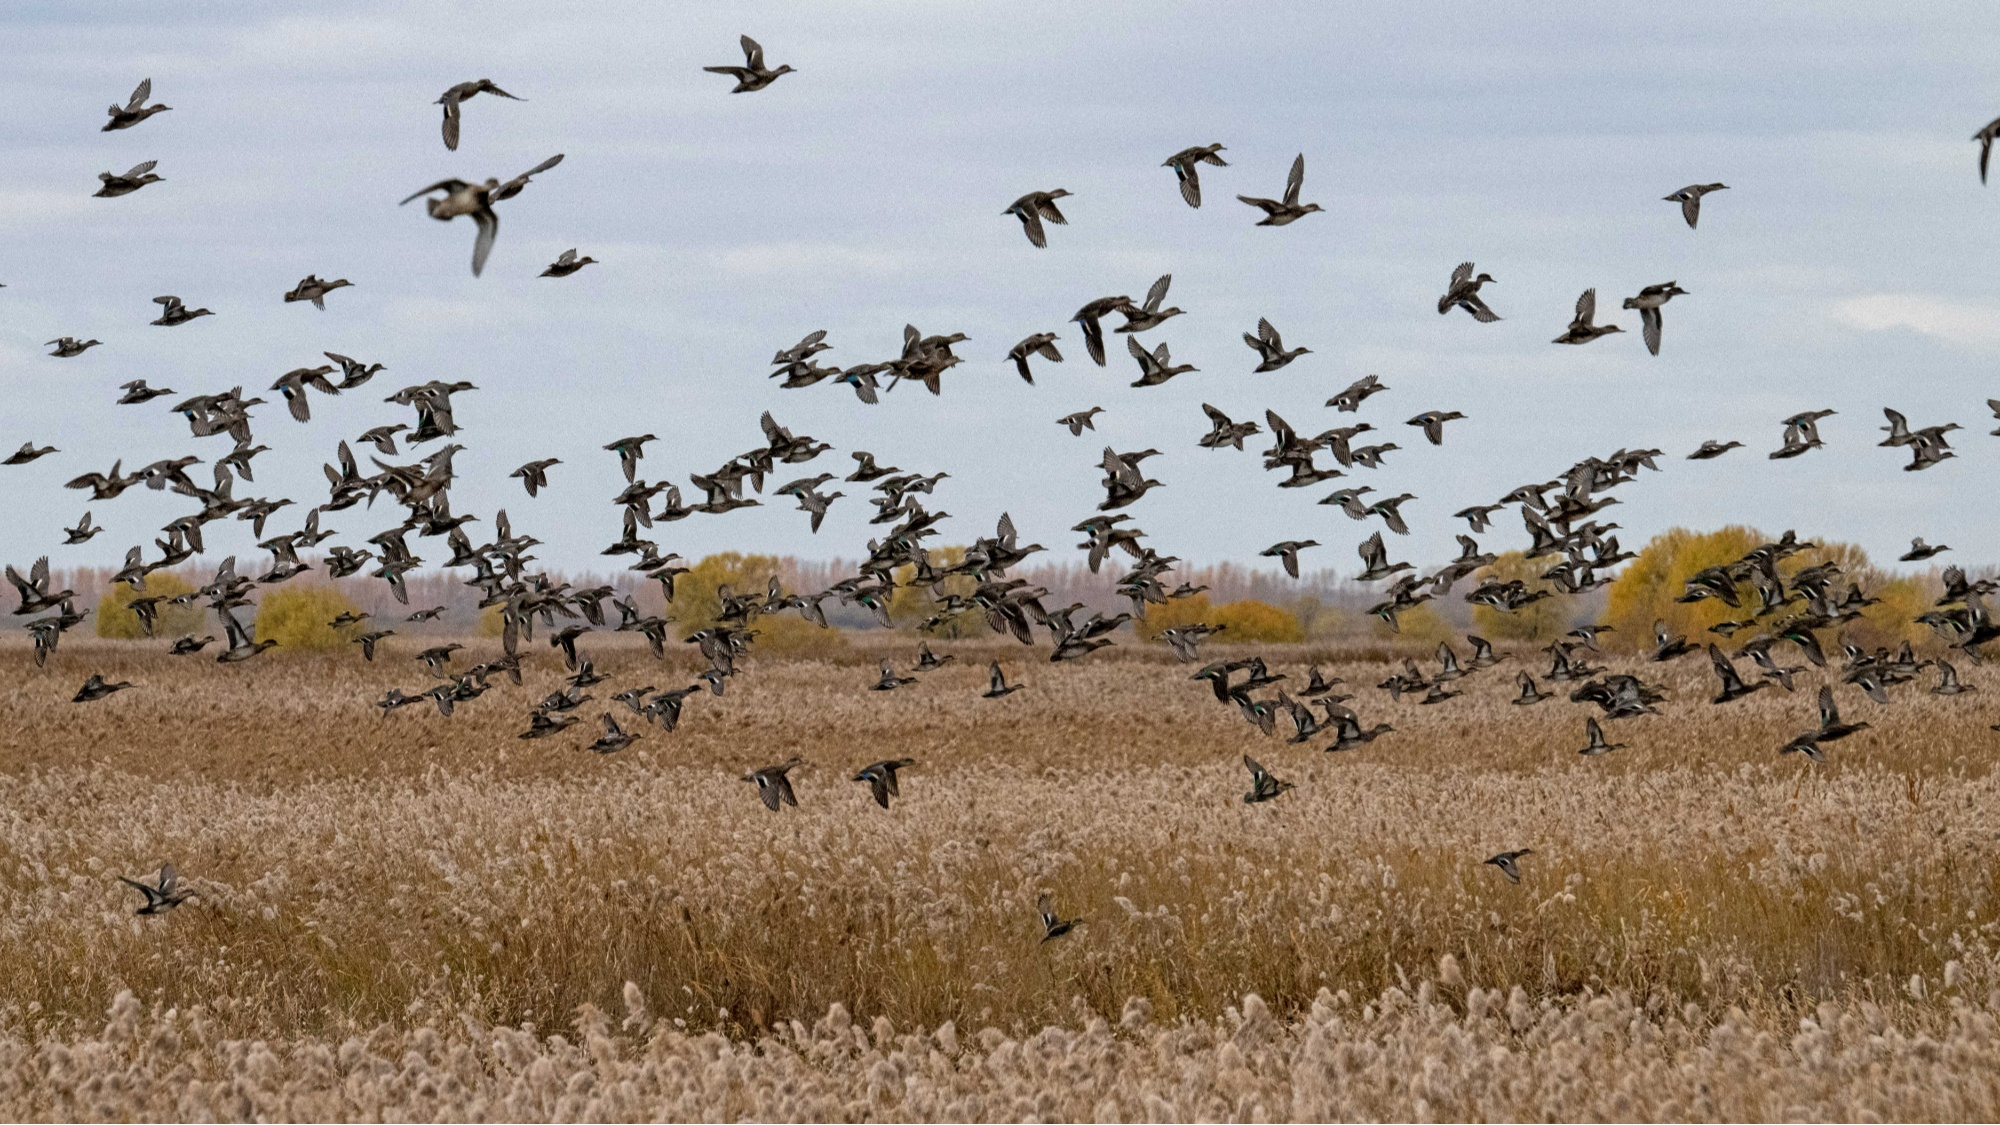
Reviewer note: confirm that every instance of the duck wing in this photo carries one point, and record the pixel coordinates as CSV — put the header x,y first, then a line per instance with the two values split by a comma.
x,y
489,226
1190,184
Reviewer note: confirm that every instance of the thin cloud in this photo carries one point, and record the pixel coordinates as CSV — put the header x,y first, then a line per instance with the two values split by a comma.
x,y
1960,323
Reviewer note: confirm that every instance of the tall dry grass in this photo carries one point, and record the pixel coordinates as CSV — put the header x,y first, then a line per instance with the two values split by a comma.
x,y
421,916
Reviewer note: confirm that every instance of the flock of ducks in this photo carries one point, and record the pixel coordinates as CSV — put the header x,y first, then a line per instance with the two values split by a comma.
x,y
1783,610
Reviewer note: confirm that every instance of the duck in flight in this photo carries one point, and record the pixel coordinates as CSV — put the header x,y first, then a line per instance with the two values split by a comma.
x,y
774,784
451,99
1689,197
138,177
162,894
1280,212
69,347
1185,164
1648,303
1433,422
1583,327
477,200
96,688
1042,344
753,75
28,452
567,263
136,110
311,288
1463,292
174,312
1831,729
1287,553
1597,745
1509,863
1150,315
1920,550
881,778
1080,421
1156,366
1263,786
1350,400
1053,927
1270,347
1035,208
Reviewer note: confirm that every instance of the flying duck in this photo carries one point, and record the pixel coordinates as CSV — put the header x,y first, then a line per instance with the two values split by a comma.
x,y
163,893
1080,421
136,110
881,778
753,75
311,288
1689,197
138,177
96,688
1263,786
1042,344
567,263
68,347
1278,213
1581,328
463,198
1185,162
1271,347
1463,292
1509,863
1648,303
774,784
1035,207
451,98
173,312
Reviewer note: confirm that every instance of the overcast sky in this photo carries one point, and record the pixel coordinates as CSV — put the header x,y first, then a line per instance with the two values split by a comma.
x,y
1851,265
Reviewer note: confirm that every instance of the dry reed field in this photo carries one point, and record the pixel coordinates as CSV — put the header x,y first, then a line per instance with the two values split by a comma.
x,y
418,917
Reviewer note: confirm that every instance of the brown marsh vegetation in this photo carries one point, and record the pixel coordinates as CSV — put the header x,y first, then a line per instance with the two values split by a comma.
x,y
414,916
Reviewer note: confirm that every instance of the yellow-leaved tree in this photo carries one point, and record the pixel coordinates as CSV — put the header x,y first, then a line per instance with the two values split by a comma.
x,y
910,606
1538,622
1242,622
697,602
115,620
300,618
1322,621
1419,624
1253,622
1179,612
1648,589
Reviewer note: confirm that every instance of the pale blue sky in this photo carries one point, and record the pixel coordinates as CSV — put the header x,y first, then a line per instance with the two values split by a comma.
x,y
1849,266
